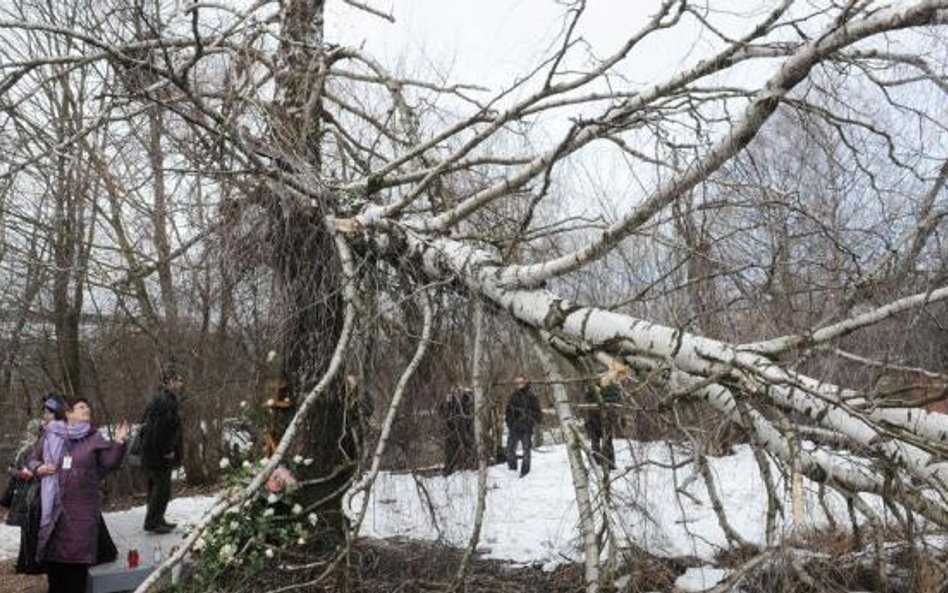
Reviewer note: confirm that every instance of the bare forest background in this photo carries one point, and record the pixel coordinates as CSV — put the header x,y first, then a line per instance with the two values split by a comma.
x,y
207,185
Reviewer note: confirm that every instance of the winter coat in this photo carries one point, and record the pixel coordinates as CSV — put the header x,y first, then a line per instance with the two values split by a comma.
x,y
523,411
72,536
23,495
600,413
21,491
457,412
161,431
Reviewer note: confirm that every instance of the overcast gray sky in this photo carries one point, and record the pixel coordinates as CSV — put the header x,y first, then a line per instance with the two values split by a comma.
x,y
491,42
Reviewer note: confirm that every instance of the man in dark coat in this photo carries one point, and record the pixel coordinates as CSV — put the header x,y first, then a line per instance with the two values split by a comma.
x,y
602,397
466,426
521,415
457,410
161,448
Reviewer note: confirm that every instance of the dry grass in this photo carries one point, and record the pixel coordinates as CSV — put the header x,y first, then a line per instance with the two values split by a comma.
x,y
19,583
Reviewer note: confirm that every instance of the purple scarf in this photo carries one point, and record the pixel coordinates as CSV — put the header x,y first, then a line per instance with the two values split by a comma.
x,y
57,432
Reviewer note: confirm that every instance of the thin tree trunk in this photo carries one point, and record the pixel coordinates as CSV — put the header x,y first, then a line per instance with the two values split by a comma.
x,y
160,219
477,372
578,470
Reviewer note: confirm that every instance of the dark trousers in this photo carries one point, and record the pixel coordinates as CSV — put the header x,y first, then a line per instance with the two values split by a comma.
x,y
159,493
524,438
459,449
602,430
29,534
67,578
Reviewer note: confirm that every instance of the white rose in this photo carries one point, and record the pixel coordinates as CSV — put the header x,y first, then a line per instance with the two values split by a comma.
x,y
301,541
312,518
268,513
243,404
246,464
298,459
273,498
268,553
225,463
264,461
234,525
228,551
297,509
308,461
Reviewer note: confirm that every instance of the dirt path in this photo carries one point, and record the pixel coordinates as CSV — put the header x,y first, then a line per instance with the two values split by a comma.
x,y
19,583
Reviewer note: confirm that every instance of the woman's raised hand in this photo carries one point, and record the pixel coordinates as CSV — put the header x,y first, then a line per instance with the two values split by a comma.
x,y
121,433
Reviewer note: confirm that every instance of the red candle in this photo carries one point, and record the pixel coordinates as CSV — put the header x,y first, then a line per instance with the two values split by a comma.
x,y
133,558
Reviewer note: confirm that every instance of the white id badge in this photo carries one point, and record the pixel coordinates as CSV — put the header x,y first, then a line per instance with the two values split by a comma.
x,y
67,462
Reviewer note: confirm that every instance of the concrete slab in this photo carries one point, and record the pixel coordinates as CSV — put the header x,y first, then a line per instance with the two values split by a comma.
x,y
128,534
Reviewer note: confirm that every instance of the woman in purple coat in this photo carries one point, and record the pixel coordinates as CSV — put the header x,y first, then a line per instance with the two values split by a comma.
x,y
71,460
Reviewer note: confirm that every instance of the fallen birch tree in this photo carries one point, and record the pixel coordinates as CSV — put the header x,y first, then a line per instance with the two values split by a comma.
x,y
788,181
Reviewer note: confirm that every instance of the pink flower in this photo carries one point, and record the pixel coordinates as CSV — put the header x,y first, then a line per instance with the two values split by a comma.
x,y
280,479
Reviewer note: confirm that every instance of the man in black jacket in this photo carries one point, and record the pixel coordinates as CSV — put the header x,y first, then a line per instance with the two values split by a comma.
x,y
603,397
457,412
161,448
521,415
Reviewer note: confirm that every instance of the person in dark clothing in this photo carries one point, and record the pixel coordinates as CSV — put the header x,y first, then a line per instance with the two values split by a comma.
x,y
522,414
25,496
161,448
602,398
466,426
22,500
457,411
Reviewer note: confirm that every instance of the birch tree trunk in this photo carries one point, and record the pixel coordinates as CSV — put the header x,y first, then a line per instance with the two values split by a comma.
x,y
578,469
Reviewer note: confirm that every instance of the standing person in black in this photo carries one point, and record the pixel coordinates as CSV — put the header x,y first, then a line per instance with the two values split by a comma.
x,y
603,397
161,448
25,496
521,415
468,444
456,410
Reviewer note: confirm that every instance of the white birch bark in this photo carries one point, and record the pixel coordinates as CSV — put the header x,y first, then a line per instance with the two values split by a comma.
x,y
847,326
578,470
763,105
477,369
852,474
695,356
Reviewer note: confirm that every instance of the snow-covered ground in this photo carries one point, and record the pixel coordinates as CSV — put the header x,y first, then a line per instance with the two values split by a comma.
x,y
533,519
126,528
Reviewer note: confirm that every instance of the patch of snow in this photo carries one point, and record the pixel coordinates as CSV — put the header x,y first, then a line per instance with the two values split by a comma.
x,y
700,578
534,519
126,528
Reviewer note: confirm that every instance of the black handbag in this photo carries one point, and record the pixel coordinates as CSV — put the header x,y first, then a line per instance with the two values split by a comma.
x,y
136,445
25,494
6,501
29,532
105,548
